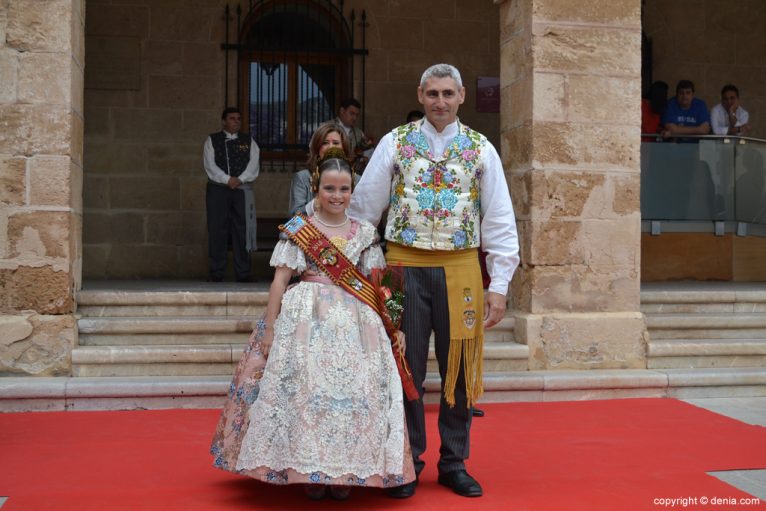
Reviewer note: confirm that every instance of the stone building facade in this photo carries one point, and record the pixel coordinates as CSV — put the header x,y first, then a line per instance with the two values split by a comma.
x,y
42,56
154,90
137,114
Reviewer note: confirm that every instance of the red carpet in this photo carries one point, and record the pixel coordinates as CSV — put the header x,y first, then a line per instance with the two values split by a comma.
x,y
589,455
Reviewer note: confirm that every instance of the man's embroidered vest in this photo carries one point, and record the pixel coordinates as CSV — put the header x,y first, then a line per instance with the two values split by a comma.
x,y
231,156
435,202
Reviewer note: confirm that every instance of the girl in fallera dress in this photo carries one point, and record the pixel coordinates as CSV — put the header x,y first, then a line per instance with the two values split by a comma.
x,y
316,398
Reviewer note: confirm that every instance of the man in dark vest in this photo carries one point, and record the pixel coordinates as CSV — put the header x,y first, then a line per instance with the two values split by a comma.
x,y
231,163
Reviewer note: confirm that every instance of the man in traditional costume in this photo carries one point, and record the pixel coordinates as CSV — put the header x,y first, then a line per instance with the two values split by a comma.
x,y
230,159
444,186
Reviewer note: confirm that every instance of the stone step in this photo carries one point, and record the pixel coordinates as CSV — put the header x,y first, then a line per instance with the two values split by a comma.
x,y
166,325
162,339
125,330
699,292
707,326
716,382
126,393
103,303
702,308
684,347
709,353
703,299
221,359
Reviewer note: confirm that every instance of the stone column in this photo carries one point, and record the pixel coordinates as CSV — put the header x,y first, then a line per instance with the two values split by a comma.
x,y
570,130
41,133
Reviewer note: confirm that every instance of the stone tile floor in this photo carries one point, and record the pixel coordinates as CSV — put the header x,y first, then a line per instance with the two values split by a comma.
x,y
751,410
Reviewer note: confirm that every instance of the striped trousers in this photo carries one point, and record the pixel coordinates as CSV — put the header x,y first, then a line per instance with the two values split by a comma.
x,y
425,309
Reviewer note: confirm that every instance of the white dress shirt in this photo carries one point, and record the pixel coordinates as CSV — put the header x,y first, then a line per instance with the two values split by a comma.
x,y
498,222
719,119
218,175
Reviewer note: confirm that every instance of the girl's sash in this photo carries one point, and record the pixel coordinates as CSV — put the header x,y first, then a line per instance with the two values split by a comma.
x,y
345,274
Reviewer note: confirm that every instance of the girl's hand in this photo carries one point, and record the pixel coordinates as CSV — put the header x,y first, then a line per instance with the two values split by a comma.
x,y
399,342
267,341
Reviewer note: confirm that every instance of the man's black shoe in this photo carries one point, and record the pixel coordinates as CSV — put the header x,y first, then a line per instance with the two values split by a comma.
x,y
215,278
403,492
245,279
477,412
461,483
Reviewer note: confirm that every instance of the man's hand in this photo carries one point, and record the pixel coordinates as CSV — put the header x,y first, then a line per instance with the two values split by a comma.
x,y
494,308
733,117
233,182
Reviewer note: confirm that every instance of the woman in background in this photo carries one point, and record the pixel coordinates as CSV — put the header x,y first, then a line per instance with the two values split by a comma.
x,y
326,136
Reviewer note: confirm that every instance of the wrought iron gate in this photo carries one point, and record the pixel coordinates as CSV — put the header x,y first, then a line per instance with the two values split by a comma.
x,y
296,60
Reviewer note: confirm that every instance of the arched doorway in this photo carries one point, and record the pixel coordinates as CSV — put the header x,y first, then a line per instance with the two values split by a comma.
x,y
296,62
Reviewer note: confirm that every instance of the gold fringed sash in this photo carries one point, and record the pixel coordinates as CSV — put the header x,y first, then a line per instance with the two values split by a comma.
x,y
465,296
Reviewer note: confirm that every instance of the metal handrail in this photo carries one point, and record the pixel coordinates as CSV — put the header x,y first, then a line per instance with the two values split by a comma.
x,y
659,137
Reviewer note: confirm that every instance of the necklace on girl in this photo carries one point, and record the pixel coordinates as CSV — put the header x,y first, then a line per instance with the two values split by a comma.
x,y
331,226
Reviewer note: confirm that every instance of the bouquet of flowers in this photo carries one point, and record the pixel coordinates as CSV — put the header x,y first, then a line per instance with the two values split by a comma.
x,y
389,283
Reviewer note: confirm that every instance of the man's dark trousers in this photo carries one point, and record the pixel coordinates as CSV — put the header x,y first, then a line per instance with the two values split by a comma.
x,y
426,307
226,222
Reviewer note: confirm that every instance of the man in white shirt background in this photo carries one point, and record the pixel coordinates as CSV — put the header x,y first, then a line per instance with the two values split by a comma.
x,y
728,117
445,189
230,159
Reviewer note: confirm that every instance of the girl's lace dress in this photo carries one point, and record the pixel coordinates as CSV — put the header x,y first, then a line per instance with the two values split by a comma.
x,y
326,407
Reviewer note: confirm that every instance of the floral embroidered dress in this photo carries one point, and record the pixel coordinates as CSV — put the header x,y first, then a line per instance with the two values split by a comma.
x,y
326,407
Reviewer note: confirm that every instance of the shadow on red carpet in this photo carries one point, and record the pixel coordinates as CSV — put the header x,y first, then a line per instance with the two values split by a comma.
x,y
587,455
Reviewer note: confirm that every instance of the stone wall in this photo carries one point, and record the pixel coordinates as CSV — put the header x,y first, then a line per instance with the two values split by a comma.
x,y
41,133
154,90
712,43
574,171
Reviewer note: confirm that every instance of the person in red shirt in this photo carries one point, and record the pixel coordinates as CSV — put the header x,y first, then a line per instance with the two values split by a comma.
x,y
652,108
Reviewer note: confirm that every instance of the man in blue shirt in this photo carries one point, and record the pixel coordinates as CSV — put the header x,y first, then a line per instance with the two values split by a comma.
x,y
685,114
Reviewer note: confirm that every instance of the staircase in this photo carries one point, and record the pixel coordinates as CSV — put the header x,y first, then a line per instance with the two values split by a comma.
x,y
709,338
162,345
203,333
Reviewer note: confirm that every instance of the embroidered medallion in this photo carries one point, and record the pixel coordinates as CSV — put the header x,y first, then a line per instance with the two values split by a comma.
x,y
469,314
329,256
354,282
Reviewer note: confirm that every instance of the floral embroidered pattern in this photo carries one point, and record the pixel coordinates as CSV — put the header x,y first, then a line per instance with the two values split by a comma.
x,y
435,203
